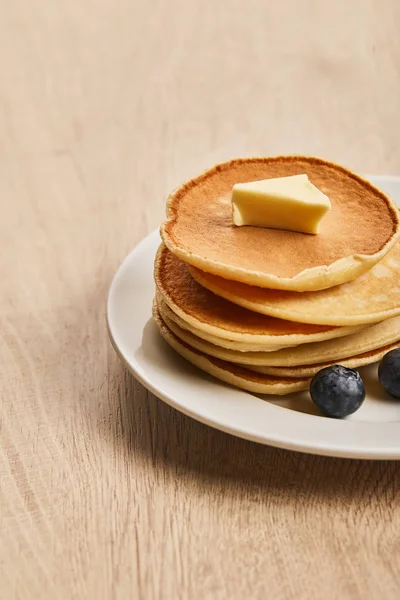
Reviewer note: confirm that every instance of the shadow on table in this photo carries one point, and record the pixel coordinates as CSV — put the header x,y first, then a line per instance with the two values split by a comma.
x,y
177,446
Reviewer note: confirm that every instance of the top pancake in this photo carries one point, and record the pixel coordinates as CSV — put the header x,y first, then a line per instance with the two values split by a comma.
x,y
356,233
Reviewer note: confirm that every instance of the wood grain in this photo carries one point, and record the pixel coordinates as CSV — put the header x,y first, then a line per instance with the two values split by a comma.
x,y
105,492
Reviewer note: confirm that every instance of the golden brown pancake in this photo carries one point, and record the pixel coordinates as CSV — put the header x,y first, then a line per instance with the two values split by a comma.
x,y
356,233
233,374
373,297
210,316
352,362
372,338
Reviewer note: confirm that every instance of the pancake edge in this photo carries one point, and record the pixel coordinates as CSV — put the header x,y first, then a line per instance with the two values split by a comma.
x,y
338,320
274,359
248,338
351,362
200,360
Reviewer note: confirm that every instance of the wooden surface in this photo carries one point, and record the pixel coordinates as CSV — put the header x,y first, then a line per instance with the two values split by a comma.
x,y
105,106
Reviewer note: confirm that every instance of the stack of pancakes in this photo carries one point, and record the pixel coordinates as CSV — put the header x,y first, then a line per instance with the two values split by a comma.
x,y
265,309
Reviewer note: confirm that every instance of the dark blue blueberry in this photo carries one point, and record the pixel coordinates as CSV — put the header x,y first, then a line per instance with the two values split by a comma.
x,y
337,391
389,372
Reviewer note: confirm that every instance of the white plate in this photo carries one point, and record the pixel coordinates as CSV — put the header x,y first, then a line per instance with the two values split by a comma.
x,y
291,422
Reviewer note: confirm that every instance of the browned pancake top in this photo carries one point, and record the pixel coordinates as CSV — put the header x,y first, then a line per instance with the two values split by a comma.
x,y
172,276
361,220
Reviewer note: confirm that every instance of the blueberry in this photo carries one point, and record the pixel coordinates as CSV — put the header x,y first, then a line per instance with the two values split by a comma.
x,y
389,372
337,391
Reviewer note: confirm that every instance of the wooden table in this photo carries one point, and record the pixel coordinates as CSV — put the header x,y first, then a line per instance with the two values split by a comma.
x,y
106,492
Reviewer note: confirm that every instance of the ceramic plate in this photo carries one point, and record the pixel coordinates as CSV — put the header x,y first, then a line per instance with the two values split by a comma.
x,y
290,422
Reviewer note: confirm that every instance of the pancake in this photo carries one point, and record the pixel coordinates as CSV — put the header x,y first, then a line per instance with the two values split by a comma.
x,y
209,316
371,298
376,336
213,339
233,374
360,228
352,362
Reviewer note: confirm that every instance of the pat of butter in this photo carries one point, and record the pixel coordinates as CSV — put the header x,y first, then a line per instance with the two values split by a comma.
x,y
292,203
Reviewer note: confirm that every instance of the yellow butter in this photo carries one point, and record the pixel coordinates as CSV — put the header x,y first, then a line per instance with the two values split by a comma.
x,y
292,203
